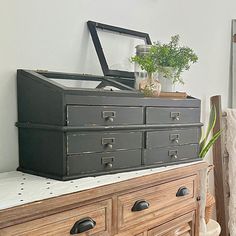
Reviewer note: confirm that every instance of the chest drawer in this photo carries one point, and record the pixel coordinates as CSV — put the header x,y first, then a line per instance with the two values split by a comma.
x,y
171,154
149,204
103,115
94,219
172,137
155,115
102,142
183,226
103,162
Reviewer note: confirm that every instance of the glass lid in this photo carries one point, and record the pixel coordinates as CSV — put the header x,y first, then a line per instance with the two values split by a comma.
x,y
85,82
115,46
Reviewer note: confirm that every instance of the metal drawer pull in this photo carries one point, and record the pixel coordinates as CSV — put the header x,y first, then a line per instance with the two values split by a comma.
x,y
109,165
175,115
140,205
174,138
109,115
183,191
108,161
108,142
83,225
173,154
110,119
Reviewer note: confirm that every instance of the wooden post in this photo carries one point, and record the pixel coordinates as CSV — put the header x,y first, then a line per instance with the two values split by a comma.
x,y
219,174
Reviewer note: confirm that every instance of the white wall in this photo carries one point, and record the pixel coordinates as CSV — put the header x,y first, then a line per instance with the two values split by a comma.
x,y
52,35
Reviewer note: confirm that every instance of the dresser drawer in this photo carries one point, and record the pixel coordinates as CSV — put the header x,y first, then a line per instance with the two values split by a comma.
x,y
170,154
172,137
102,142
145,205
95,219
103,162
103,115
155,115
182,226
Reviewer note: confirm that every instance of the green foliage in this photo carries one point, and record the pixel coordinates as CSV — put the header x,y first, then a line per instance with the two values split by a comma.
x,y
204,145
206,148
173,56
169,59
147,62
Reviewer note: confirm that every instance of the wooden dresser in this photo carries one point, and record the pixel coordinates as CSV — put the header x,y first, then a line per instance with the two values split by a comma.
x,y
164,203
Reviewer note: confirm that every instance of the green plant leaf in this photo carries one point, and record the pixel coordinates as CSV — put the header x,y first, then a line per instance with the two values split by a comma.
x,y
164,56
204,150
211,124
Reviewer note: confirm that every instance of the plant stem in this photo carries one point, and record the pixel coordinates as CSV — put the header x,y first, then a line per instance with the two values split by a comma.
x,y
150,76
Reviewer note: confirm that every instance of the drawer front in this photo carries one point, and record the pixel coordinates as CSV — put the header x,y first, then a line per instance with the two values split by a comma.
x,y
102,142
155,115
172,137
95,217
160,200
170,154
182,226
103,115
97,162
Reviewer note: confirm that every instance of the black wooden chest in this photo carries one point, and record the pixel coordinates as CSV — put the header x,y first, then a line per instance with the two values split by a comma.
x,y
66,132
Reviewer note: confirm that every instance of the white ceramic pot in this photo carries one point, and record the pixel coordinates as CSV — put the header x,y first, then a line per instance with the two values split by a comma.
x,y
166,83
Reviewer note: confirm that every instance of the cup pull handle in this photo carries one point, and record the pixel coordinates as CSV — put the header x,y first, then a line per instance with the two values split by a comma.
x,y
140,205
182,191
83,225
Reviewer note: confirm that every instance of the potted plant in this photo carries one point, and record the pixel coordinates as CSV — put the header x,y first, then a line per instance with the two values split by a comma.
x,y
144,61
171,60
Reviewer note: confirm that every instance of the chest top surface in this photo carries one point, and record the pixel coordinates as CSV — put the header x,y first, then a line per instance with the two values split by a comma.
x,y
19,188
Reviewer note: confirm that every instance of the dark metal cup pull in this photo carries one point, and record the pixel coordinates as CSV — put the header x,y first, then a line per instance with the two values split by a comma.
x,y
109,115
140,205
183,191
83,225
175,115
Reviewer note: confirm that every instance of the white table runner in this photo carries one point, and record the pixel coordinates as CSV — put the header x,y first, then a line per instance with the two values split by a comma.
x,y
17,188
